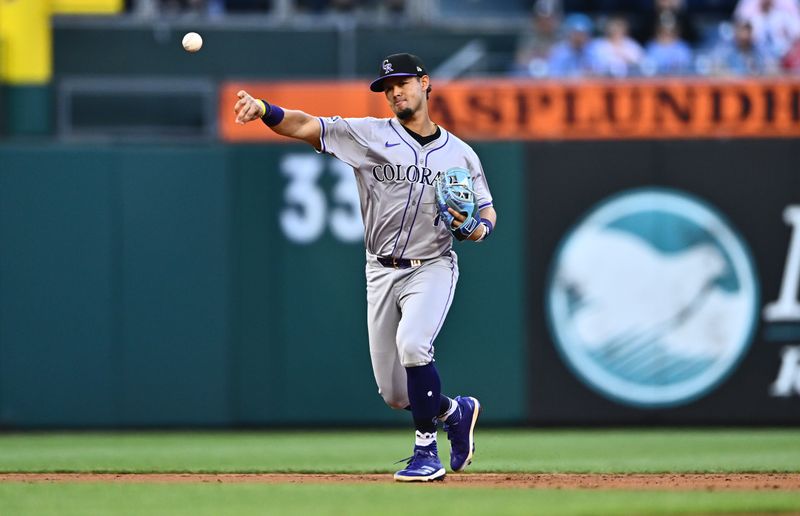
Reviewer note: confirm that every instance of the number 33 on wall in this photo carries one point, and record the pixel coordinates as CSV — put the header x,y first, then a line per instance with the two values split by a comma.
x,y
307,210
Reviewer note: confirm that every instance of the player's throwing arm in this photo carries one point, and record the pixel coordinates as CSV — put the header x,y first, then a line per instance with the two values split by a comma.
x,y
286,122
453,189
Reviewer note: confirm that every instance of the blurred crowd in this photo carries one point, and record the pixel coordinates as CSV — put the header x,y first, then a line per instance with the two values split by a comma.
x,y
760,37
599,38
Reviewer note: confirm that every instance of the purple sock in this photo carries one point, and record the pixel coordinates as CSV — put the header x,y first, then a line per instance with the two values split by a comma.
x,y
424,393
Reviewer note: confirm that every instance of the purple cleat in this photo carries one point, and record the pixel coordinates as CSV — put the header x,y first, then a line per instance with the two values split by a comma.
x,y
423,466
460,432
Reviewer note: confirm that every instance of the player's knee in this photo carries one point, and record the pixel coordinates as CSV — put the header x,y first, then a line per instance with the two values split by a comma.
x,y
395,399
397,403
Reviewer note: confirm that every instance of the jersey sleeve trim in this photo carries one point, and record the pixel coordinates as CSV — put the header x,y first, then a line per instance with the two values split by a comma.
x,y
486,205
322,134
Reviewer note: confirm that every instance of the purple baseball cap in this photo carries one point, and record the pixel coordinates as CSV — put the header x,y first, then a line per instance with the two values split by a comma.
x,y
398,65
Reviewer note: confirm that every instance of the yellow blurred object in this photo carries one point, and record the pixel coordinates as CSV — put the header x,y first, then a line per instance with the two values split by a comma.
x,y
87,6
25,42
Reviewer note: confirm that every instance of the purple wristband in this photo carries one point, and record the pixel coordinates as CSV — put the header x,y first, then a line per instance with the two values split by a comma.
x,y
274,114
489,227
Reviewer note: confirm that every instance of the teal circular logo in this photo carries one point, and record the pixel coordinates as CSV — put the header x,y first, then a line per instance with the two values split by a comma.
x,y
652,298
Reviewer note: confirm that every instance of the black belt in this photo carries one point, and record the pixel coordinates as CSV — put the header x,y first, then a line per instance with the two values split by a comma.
x,y
398,263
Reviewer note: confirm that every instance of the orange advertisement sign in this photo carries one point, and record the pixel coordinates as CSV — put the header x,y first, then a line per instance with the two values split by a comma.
x,y
502,109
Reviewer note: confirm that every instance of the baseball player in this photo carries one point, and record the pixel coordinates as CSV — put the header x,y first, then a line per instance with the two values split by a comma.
x,y
411,268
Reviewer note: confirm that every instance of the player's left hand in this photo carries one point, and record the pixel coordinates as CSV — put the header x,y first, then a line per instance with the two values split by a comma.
x,y
458,218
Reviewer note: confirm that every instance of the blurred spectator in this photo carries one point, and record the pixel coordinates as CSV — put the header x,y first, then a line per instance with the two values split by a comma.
x,y
748,8
667,54
617,54
742,56
667,12
573,57
538,40
775,23
791,60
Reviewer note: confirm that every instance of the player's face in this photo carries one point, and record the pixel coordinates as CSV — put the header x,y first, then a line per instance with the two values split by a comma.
x,y
405,94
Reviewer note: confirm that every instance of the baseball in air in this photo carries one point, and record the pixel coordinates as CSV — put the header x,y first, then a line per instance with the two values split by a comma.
x,y
192,42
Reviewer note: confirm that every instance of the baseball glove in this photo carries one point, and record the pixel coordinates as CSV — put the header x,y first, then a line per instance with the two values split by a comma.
x,y
454,190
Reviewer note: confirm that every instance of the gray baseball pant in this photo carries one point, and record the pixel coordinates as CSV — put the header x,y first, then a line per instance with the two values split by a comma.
x,y
406,308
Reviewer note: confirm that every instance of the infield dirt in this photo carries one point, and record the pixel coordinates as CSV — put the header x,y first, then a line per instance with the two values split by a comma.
x,y
653,481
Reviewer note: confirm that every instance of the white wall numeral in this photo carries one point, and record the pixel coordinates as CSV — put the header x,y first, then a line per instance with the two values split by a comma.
x,y
303,218
306,211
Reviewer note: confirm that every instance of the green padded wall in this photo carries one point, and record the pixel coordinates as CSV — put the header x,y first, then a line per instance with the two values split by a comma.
x,y
154,286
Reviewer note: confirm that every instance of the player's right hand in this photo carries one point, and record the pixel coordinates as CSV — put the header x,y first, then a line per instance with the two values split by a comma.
x,y
247,108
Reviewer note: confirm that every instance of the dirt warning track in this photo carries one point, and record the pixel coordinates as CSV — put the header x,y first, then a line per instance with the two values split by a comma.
x,y
649,481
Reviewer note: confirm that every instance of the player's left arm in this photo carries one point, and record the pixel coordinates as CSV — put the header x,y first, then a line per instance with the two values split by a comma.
x,y
487,213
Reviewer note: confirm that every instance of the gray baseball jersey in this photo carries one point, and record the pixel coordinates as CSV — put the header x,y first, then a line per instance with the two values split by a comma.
x,y
394,173
394,176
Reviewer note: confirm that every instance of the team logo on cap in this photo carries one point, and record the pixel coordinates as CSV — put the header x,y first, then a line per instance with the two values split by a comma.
x,y
653,298
387,66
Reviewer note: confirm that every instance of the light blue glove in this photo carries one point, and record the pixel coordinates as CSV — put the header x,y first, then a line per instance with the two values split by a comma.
x,y
454,189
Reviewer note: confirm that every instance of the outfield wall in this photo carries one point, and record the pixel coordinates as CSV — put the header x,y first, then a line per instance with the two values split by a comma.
x,y
222,285
185,285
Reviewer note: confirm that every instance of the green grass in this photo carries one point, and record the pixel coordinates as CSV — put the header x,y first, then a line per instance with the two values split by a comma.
x,y
240,499
651,450
632,451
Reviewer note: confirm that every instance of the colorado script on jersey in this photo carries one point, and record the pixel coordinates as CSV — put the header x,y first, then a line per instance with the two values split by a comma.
x,y
395,174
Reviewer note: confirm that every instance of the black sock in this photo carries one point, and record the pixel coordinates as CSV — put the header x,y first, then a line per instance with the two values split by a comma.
x,y
424,393
444,405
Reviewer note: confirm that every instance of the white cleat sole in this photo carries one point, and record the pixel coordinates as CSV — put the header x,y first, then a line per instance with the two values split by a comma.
x,y
471,434
436,475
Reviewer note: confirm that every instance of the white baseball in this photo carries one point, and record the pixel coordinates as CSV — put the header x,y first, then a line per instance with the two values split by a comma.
x,y
192,42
